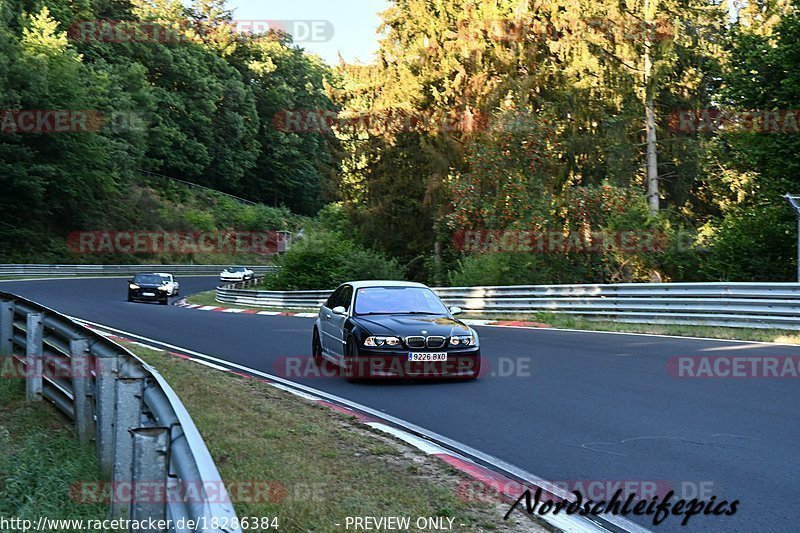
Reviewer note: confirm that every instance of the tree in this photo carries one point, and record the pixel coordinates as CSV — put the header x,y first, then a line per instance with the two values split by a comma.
x,y
752,235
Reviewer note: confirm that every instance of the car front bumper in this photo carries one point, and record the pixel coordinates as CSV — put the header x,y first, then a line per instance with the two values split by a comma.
x,y
463,363
148,295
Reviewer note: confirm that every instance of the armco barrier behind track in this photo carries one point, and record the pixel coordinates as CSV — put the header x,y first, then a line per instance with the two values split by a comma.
x,y
118,270
753,305
141,430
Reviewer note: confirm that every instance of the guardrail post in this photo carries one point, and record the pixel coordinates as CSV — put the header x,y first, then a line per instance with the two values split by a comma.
x,y
34,356
105,395
150,467
6,327
81,386
127,416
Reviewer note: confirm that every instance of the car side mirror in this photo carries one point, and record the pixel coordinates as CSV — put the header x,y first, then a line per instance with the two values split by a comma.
x,y
339,310
455,310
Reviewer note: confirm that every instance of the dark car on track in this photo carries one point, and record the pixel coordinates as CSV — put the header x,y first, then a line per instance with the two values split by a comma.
x,y
393,329
147,287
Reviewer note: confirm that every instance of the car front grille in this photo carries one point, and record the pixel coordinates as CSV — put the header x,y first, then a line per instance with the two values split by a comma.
x,y
426,342
436,342
415,342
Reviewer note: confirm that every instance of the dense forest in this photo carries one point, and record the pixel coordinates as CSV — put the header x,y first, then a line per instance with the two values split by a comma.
x,y
490,142
171,92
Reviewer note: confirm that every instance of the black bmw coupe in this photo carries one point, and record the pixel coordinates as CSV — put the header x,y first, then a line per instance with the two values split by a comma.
x,y
392,329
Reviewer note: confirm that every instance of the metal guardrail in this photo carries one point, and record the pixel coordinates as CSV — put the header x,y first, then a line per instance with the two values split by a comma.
x,y
753,305
237,293
121,270
145,440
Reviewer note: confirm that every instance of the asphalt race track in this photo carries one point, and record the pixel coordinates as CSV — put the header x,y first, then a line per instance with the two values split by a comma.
x,y
593,406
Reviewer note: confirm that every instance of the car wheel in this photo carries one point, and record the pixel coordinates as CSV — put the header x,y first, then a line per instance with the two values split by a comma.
x,y
351,371
163,302
130,299
316,349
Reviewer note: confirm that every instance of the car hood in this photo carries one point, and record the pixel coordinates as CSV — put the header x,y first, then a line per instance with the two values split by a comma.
x,y
405,325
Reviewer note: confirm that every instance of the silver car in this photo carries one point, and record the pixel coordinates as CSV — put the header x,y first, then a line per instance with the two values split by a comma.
x,y
171,283
236,273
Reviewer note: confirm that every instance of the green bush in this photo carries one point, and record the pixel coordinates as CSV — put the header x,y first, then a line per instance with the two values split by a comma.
x,y
323,260
514,268
363,263
333,217
752,244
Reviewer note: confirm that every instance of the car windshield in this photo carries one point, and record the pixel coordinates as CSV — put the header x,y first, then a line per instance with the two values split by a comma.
x,y
398,300
147,279
165,279
236,269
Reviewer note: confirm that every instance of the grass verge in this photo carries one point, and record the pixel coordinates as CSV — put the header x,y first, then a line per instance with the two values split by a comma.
x,y
575,322
321,466
40,460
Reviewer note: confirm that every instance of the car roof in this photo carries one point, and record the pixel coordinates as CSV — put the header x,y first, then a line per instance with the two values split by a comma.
x,y
383,283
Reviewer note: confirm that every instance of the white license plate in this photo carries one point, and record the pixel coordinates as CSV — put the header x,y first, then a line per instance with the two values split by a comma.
x,y
148,294
427,356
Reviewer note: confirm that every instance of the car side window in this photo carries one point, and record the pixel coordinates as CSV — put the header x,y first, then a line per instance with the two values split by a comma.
x,y
345,297
331,303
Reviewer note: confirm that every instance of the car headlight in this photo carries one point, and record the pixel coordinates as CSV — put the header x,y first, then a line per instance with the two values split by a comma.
x,y
133,286
163,288
382,341
462,340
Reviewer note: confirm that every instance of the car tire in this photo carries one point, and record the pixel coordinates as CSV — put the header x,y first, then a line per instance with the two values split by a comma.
x,y
351,352
130,299
163,302
316,349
